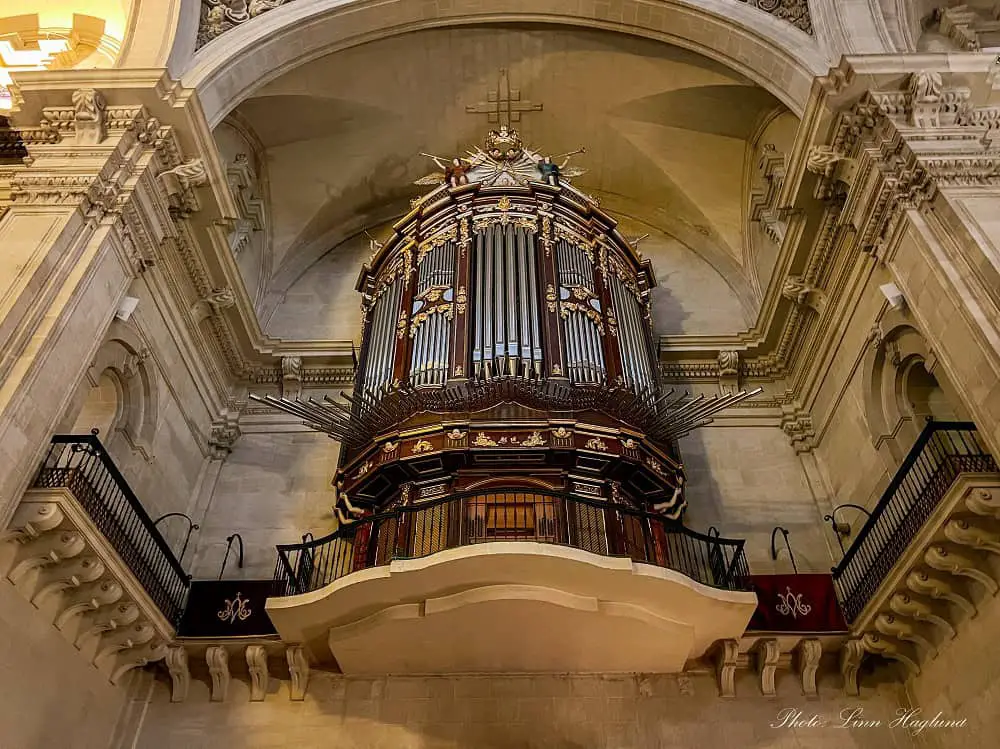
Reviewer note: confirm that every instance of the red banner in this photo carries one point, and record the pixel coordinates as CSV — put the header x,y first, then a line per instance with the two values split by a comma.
x,y
796,603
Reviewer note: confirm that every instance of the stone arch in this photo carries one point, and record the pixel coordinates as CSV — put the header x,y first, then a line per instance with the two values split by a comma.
x,y
766,50
904,385
123,361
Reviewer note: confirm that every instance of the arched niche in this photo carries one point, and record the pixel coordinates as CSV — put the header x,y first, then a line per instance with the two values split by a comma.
x,y
904,387
122,367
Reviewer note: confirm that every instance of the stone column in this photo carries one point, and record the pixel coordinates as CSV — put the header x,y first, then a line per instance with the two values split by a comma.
x,y
83,210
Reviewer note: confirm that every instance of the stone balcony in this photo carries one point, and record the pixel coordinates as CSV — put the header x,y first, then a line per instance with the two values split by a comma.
x,y
82,550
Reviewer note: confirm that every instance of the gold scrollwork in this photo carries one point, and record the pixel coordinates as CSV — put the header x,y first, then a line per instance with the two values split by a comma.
x,y
363,469
420,317
504,203
596,443
582,293
482,440
585,309
561,433
535,440
390,447
437,240
550,297
656,465
422,446
461,300
401,325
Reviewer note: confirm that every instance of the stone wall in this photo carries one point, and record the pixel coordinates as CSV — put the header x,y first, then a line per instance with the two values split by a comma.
x,y
271,489
500,711
49,695
963,681
747,480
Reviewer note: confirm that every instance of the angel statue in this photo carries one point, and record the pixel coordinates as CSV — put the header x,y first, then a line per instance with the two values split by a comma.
x,y
552,171
453,174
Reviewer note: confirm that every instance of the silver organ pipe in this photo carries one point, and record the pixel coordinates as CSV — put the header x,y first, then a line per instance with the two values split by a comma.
x,y
633,340
506,323
381,337
431,336
584,344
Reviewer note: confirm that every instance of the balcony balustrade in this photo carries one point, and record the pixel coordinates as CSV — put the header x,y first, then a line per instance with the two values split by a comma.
x,y
598,527
942,452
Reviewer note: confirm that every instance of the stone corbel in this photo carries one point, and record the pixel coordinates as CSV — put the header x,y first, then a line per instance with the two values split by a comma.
x,y
298,667
88,116
831,165
956,23
225,431
796,290
767,657
88,598
217,658
890,647
256,657
984,502
808,655
797,425
851,656
179,183
973,532
904,630
920,609
180,673
291,376
213,304
48,550
74,574
953,560
726,660
926,101
764,203
729,372
926,583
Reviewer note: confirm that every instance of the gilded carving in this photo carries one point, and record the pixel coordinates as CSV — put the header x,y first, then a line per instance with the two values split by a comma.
x,y
596,443
421,446
483,441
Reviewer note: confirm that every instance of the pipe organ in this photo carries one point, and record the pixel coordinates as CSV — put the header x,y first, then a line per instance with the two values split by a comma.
x,y
507,343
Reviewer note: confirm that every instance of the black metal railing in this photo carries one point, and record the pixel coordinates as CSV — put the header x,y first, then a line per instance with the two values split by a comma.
x,y
82,465
510,515
942,452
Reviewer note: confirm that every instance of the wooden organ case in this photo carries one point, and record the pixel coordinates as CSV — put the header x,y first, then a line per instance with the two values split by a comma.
x,y
508,356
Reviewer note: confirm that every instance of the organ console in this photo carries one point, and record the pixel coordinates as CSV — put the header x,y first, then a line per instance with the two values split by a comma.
x,y
507,344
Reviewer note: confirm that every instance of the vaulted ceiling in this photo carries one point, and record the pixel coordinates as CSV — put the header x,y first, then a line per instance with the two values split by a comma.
x,y
666,132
